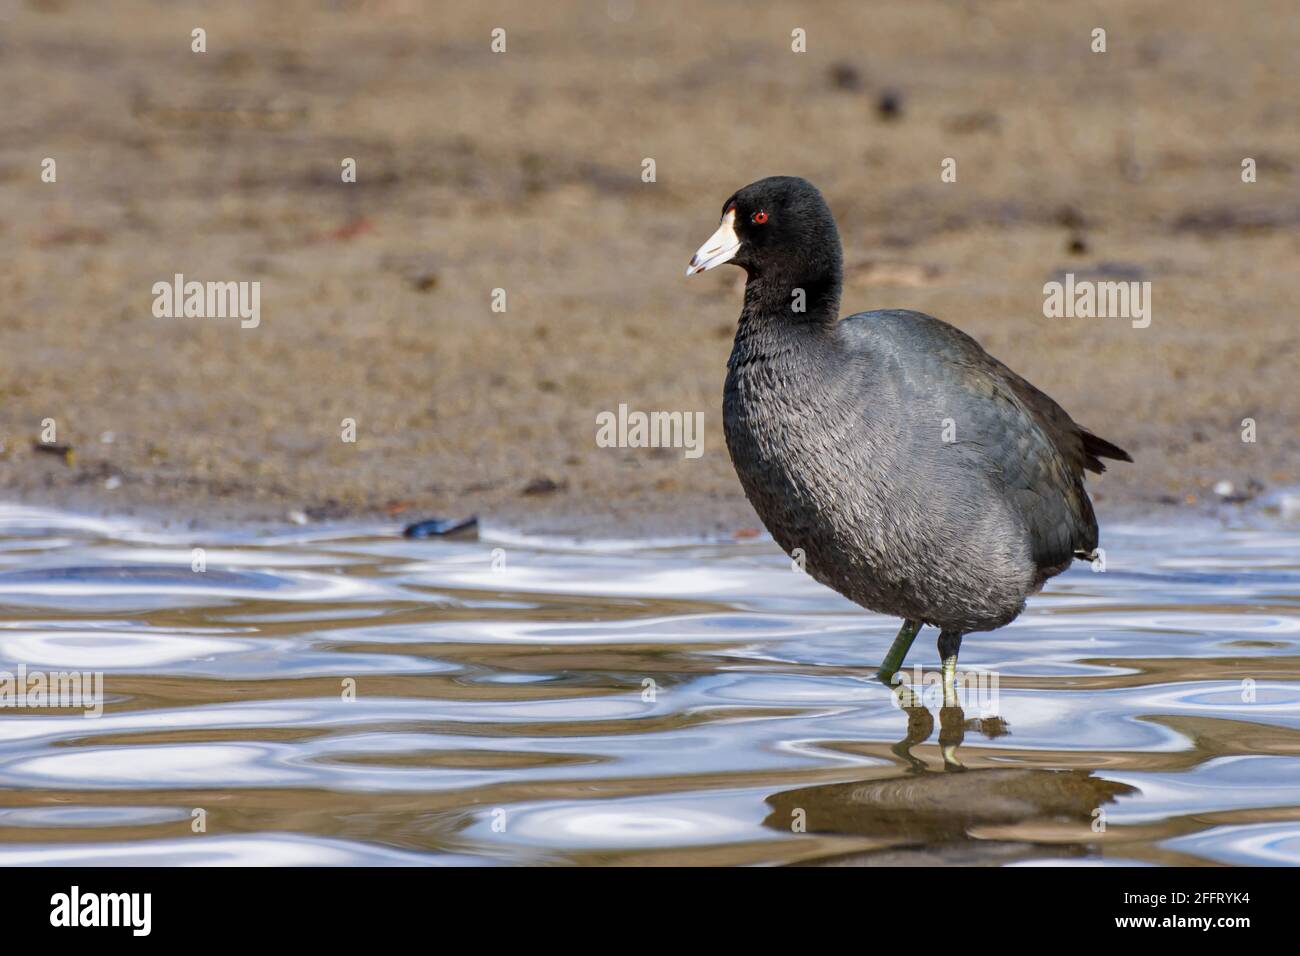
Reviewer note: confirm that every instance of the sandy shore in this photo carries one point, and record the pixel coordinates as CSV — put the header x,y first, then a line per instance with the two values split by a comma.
x,y
522,171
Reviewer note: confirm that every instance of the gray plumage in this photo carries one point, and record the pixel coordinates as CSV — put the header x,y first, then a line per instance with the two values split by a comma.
x,y
837,432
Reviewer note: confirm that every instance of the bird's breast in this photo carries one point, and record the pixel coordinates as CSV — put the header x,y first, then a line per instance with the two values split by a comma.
x,y
802,457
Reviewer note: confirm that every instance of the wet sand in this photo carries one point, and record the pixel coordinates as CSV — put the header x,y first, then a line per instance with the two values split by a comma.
x,y
522,171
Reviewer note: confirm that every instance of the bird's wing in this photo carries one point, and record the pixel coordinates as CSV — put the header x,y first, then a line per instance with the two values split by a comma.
x,y
1081,447
1036,451
1040,465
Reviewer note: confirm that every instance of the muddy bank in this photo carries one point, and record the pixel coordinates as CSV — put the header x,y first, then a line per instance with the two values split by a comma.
x,y
522,172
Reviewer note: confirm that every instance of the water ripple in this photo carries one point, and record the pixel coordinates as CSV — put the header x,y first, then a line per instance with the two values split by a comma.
x,y
344,696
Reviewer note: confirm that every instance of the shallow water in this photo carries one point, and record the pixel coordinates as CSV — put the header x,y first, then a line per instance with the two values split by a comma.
x,y
526,700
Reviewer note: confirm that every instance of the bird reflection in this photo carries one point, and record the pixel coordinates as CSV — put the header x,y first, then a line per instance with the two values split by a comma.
x,y
952,729
928,815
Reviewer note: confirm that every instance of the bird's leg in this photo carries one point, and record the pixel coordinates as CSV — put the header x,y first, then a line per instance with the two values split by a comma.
x,y
949,645
952,731
920,724
898,650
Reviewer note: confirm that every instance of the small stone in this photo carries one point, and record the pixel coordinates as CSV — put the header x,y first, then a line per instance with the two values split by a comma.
x,y
845,76
977,121
541,486
889,105
1070,217
55,448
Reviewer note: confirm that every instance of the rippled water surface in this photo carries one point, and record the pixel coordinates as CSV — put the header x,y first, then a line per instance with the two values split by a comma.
x,y
348,696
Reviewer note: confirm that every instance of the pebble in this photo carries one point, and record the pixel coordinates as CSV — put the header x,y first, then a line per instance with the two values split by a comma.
x,y
889,105
541,486
845,76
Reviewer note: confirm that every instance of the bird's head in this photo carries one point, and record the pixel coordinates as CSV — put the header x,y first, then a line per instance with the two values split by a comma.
x,y
779,226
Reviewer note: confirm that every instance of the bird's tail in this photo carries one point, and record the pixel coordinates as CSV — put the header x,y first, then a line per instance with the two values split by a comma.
x,y
1098,448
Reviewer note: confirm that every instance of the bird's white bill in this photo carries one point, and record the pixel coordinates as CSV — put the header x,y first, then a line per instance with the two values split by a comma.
x,y
722,245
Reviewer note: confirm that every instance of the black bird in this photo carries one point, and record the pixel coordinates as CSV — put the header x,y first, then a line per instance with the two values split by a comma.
x,y
918,475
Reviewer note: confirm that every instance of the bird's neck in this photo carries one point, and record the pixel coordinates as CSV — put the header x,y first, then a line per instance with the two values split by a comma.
x,y
810,299
774,332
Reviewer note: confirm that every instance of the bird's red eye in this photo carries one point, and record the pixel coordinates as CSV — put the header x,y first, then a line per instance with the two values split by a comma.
x,y
759,217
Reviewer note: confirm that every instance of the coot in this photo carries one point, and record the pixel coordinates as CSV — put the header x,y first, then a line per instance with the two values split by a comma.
x,y
913,472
